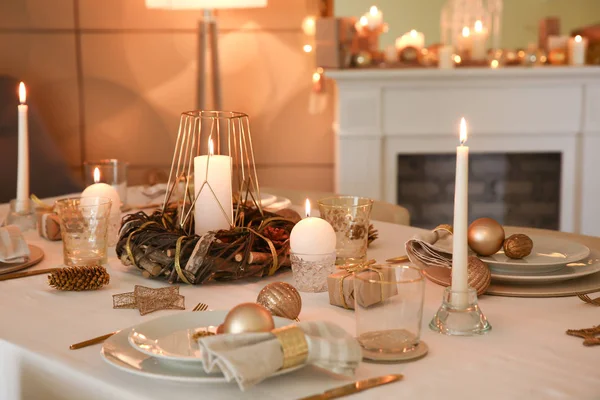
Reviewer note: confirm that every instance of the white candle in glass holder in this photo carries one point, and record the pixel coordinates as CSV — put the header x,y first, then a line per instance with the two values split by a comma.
x,y
460,226
100,189
23,152
479,39
312,237
412,38
213,210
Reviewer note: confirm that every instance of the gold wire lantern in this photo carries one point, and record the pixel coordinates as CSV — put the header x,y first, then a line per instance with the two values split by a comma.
x,y
210,134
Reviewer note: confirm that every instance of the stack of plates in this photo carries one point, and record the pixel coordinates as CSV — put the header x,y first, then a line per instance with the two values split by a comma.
x,y
547,271
164,348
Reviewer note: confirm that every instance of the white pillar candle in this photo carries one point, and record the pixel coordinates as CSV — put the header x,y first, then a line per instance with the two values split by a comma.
x,y
213,210
100,189
465,43
577,47
312,237
23,153
446,57
374,18
479,39
461,192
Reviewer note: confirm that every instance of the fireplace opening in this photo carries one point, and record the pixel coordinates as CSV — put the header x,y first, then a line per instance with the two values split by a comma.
x,y
520,189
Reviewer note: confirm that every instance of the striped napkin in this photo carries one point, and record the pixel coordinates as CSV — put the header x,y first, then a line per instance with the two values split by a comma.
x,y
13,248
250,358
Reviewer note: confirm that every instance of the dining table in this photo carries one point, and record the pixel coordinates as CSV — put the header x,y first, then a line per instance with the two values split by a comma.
x,y
526,355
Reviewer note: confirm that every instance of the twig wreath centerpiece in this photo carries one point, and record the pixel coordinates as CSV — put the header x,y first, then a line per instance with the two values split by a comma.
x,y
211,225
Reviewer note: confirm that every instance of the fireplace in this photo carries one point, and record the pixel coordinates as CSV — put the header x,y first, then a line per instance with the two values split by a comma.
x,y
521,189
539,121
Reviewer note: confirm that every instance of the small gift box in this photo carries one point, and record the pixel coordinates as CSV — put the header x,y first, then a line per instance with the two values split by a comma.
x,y
342,289
49,225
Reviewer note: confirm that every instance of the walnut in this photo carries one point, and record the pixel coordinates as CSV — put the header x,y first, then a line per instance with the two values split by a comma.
x,y
518,246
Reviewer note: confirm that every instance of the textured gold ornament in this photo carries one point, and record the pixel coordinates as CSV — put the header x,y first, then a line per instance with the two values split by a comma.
x,y
518,246
485,236
79,278
478,275
248,317
282,299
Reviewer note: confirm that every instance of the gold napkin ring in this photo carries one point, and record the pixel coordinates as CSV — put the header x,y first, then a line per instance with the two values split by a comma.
x,y
293,345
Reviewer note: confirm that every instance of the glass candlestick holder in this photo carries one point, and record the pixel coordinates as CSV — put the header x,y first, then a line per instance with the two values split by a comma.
x,y
311,270
22,214
460,315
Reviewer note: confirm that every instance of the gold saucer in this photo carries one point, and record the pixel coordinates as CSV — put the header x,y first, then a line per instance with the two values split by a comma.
x,y
420,351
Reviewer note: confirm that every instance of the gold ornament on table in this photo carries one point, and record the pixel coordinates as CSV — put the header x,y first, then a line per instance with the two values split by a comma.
x,y
518,246
478,275
282,299
248,317
485,236
148,300
79,278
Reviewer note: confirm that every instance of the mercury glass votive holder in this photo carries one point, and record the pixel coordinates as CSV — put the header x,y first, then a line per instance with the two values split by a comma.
x,y
84,225
350,218
310,271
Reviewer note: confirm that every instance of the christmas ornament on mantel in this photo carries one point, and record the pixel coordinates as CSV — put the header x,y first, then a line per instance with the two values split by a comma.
x,y
211,225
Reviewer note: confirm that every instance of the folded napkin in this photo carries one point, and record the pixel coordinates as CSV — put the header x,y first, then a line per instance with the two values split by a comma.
x,y
250,358
13,248
431,248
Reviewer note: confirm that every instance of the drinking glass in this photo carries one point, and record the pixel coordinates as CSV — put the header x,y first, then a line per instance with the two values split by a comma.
x,y
84,229
389,308
112,172
310,271
350,218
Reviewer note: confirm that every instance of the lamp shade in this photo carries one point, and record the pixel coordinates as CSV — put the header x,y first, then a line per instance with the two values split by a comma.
x,y
204,4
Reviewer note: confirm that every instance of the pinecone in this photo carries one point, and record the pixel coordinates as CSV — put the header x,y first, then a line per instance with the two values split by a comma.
x,y
373,234
79,278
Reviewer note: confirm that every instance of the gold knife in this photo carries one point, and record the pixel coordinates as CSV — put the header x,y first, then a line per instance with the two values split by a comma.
x,y
355,387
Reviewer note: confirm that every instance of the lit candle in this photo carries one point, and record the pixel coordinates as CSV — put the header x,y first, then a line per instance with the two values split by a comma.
x,y
445,57
312,237
577,47
374,18
99,189
465,42
461,191
213,210
413,39
23,153
478,51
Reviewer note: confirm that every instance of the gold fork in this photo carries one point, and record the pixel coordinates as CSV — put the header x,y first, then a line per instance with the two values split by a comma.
x,y
100,339
588,299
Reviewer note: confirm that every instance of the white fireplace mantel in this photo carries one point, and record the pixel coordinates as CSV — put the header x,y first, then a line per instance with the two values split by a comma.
x,y
383,113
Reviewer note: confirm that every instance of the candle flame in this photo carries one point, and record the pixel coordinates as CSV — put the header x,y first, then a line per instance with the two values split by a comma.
x,y
96,175
578,38
307,207
463,131
373,11
364,21
413,33
457,59
466,32
211,147
307,48
478,26
22,93
494,64
316,77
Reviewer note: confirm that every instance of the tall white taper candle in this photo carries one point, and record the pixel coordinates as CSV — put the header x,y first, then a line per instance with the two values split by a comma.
x,y
461,192
23,153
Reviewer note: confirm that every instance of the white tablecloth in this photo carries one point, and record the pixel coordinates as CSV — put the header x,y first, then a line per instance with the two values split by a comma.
x,y
526,355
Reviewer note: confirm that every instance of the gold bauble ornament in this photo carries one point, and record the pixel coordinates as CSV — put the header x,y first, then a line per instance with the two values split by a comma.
x,y
478,275
485,236
248,317
282,299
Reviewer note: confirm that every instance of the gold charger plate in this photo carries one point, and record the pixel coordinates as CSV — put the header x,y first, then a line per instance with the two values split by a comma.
x,y
36,255
572,287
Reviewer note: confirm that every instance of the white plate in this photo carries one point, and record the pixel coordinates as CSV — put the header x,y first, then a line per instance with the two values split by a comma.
x,y
267,199
548,255
117,352
279,204
585,267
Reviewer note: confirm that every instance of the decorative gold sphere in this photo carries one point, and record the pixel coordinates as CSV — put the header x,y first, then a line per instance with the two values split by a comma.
x,y
485,236
282,299
248,317
479,275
